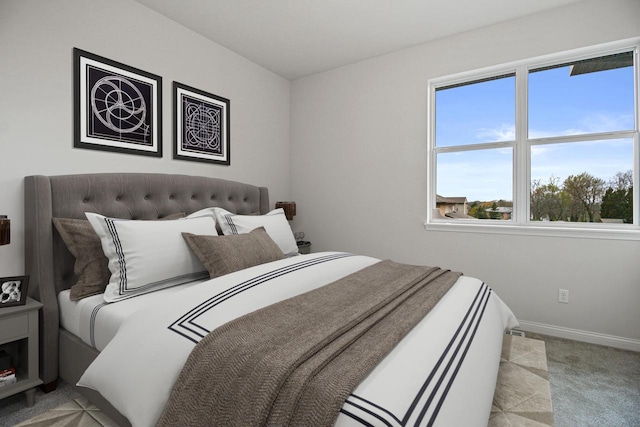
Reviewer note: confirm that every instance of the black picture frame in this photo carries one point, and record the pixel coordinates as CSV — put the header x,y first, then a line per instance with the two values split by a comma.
x,y
13,291
201,123
116,107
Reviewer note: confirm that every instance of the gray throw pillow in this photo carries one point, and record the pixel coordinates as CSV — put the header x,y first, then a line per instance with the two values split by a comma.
x,y
225,254
91,267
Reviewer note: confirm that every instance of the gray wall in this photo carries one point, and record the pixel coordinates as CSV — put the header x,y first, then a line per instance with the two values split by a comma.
x,y
36,102
358,141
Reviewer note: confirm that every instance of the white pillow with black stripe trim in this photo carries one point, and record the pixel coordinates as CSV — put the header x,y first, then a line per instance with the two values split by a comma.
x,y
274,222
145,256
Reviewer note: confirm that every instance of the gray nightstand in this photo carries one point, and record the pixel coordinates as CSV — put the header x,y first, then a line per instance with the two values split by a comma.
x,y
19,338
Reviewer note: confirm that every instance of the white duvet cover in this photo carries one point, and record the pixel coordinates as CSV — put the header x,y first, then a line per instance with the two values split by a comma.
x,y
96,322
443,373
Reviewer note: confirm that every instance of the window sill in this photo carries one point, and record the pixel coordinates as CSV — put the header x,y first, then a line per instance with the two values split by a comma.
x,y
552,230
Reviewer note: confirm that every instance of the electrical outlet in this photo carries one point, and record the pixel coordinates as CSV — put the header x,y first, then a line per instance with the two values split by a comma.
x,y
563,296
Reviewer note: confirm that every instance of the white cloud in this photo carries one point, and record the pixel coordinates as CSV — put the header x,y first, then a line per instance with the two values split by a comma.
x,y
592,123
602,122
538,150
504,132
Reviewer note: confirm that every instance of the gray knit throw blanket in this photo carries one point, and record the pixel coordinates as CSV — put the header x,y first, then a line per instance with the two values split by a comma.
x,y
295,362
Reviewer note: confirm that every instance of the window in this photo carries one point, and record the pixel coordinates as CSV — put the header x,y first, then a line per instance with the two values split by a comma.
x,y
546,144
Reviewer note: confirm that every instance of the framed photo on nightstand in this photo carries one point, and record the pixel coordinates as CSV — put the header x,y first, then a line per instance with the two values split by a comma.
x,y
13,291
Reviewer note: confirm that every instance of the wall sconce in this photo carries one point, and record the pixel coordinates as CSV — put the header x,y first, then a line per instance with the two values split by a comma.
x,y
5,230
289,209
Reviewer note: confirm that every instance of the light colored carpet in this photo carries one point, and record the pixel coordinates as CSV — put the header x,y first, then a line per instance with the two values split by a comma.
x,y
592,385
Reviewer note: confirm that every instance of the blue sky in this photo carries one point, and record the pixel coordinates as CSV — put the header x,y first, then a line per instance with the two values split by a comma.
x,y
559,105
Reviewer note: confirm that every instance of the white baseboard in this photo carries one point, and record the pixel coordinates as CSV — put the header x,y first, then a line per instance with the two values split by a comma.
x,y
578,335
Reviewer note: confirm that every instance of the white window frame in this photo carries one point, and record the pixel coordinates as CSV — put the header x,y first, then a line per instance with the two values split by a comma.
x,y
520,223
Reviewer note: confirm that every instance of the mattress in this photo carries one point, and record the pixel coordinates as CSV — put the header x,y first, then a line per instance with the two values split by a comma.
x,y
443,373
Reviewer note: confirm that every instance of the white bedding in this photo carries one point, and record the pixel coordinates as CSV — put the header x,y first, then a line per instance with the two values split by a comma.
x,y
96,322
430,378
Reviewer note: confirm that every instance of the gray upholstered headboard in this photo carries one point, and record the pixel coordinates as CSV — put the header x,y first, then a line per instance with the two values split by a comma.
x,y
122,195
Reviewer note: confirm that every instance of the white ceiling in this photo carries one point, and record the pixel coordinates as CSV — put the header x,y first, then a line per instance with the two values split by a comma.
x,y
295,38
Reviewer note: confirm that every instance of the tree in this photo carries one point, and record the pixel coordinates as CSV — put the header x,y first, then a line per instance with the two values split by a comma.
x,y
505,203
617,201
618,204
494,211
536,204
478,211
622,180
547,200
586,193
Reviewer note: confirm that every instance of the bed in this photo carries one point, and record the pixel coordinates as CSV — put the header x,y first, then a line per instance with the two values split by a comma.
x,y
443,372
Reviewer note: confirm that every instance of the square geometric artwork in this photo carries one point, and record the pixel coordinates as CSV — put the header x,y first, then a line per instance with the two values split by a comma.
x,y
117,107
201,122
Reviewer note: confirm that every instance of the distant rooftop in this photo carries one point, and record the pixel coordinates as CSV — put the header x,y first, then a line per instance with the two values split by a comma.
x,y
440,199
501,209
